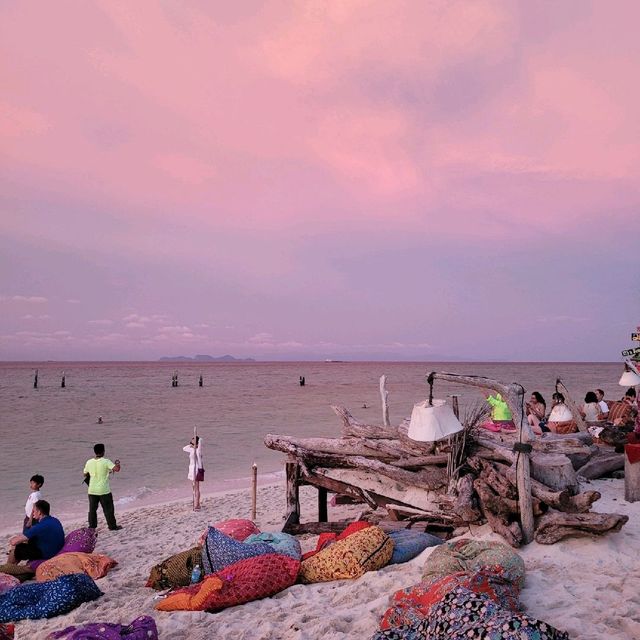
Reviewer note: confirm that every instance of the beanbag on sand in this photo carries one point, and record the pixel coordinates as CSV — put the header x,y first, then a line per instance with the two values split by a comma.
x,y
366,550
95,565
142,628
471,556
464,615
244,581
326,539
281,542
219,551
237,528
48,599
176,570
80,540
7,582
407,544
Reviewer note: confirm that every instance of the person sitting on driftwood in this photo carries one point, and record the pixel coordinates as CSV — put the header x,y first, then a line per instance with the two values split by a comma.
x,y
623,413
590,410
501,418
536,412
561,419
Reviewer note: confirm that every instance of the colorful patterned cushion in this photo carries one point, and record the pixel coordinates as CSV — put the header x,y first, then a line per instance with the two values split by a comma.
x,y
413,603
7,582
474,555
464,615
366,550
176,570
21,571
81,540
220,551
48,599
281,543
237,528
142,628
95,565
407,544
246,580
326,539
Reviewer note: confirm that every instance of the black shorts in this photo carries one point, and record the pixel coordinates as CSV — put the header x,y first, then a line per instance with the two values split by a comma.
x,y
28,551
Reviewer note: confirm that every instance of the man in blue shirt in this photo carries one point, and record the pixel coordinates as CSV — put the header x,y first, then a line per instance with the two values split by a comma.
x,y
41,541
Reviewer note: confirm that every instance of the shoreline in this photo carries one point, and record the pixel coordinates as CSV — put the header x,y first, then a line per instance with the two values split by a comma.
x,y
584,586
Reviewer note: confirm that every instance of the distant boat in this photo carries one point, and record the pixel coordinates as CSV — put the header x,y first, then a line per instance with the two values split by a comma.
x,y
328,360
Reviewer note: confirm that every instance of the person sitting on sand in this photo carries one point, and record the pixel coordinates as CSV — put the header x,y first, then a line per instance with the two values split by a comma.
x,y
196,468
561,419
41,541
536,410
623,413
604,407
501,418
590,410
35,484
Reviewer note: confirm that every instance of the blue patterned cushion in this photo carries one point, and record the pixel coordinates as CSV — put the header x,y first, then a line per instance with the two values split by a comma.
x,y
407,544
219,551
282,543
48,599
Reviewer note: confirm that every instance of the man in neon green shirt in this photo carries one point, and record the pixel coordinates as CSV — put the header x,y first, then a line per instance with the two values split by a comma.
x,y
98,470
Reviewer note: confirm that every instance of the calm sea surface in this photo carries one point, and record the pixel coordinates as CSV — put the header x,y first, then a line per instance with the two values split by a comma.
x,y
51,430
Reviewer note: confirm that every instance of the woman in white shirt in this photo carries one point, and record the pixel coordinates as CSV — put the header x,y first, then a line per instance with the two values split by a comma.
x,y
196,468
591,409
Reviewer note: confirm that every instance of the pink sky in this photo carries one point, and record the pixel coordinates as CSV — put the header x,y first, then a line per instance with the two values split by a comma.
x,y
405,180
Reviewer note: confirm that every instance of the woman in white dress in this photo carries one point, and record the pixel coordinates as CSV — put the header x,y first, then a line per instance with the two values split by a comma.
x,y
196,468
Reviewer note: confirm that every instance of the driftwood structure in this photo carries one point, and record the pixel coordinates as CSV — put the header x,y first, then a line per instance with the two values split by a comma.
x,y
524,487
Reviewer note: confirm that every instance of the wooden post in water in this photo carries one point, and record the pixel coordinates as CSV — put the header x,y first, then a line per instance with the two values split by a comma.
x,y
35,380
63,383
254,491
384,394
200,381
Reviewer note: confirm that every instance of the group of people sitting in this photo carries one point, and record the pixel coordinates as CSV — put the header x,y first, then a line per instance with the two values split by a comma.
x,y
621,413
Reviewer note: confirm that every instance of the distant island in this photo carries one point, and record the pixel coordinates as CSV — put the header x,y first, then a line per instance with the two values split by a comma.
x,y
204,358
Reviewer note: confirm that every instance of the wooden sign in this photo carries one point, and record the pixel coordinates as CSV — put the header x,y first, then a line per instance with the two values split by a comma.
x,y
635,337
629,353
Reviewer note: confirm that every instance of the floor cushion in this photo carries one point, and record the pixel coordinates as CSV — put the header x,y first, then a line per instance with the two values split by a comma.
x,y
7,582
283,543
80,540
21,571
142,628
175,571
410,605
95,565
464,615
407,544
326,539
236,528
47,599
366,550
7,631
249,579
471,556
219,551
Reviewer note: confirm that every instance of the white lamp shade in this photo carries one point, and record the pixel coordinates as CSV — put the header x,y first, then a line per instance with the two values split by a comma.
x,y
629,379
431,423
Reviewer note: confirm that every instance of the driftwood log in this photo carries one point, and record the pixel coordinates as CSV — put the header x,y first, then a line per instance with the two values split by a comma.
x,y
555,526
601,465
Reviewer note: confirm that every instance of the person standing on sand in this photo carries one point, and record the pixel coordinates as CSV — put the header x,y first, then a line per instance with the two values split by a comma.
x,y
196,468
35,484
98,470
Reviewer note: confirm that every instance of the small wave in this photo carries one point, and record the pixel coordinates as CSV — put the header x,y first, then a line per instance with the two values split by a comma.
x,y
140,493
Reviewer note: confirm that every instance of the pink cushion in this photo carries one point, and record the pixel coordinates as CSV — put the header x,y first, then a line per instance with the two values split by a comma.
x,y
79,541
237,528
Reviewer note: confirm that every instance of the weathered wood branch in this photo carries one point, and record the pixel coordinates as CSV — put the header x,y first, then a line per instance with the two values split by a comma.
x,y
555,526
464,504
601,465
497,515
352,427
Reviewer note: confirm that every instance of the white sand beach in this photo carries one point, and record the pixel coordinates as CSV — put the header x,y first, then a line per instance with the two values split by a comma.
x,y
586,587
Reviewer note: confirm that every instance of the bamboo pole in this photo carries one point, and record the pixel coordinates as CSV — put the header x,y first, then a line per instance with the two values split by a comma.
x,y
195,465
254,490
384,394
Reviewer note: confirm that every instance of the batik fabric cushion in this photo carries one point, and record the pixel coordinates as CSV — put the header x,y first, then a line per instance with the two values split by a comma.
x,y
7,582
236,528
48,599
464,615
366,550
326,539
95,565
281,542
407,544
142,628
250,579
176,570
473,555
219,551
80,540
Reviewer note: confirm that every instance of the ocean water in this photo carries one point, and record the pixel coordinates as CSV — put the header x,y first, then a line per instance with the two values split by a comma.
x,y
146,422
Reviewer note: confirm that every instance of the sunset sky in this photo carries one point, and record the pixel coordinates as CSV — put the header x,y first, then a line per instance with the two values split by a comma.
x,y
341,179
